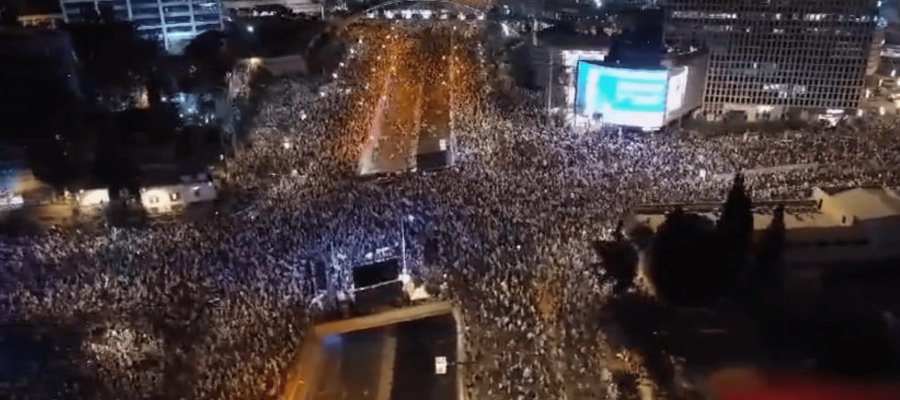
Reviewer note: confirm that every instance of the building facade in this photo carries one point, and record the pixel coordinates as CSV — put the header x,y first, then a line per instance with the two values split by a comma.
x,y
630,4
843,234
778,58
41,20
247,7
171,22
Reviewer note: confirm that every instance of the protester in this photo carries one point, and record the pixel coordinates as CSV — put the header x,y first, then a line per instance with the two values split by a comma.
x,y
220,307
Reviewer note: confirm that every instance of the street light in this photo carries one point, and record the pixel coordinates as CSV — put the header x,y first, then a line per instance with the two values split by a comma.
x,y
250,28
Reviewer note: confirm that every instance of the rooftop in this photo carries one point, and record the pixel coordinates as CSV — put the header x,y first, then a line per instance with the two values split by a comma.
x,y
864,203
837,225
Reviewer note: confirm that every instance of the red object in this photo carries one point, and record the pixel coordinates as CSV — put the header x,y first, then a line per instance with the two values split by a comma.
x,y
744,385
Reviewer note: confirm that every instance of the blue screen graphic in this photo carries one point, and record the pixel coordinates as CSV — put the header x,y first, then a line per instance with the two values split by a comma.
x,y
588,76
621,96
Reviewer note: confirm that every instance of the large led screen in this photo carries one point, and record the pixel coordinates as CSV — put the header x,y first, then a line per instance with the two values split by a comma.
x,y
677,88
586,90
622,96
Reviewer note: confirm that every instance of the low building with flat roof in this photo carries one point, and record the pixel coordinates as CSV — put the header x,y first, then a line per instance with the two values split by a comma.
x,y
836,231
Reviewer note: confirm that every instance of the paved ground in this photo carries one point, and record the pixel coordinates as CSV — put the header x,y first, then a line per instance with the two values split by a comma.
x,y
436,102
353,365
389,355
418,343
393,362
415,114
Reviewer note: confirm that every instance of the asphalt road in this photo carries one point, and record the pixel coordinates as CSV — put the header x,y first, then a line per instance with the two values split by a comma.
x,y
436,102
418,343
353,365
394,362
416,113
390,353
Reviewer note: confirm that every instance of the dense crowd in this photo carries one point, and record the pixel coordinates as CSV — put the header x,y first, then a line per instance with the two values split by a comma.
x,y
218,308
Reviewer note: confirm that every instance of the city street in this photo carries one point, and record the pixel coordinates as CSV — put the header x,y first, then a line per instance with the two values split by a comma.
x,y
413,114
389,355
536,240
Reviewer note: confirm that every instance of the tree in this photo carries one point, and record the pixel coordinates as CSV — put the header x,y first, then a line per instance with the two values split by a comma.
x,y
619,260
766,277
686,260
640,319
113,55
9,13
735,230
209,60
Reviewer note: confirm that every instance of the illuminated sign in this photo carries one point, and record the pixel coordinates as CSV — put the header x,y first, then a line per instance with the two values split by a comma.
x,y
586,93
677,88
622,96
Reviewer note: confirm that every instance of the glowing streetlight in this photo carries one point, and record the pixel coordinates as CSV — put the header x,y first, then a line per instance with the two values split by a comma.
x,y
250,28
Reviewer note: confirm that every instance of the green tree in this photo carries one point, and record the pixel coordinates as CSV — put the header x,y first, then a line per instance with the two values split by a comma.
x,y
766,277
640,320
686,260
735,230
619,261
209,60
113,56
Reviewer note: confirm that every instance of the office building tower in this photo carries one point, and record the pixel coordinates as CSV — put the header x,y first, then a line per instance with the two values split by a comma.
x,y
614,5
260,8
171,22
776,59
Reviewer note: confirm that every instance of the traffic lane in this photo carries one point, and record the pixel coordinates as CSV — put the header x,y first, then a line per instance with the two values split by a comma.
x,y
358,375
306,376
397,131
360,365
436,94
435,113
419,342
330,386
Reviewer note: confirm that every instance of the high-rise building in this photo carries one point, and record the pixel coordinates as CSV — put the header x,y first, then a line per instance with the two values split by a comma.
x,y
778,58
253,7
629,4
172,22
